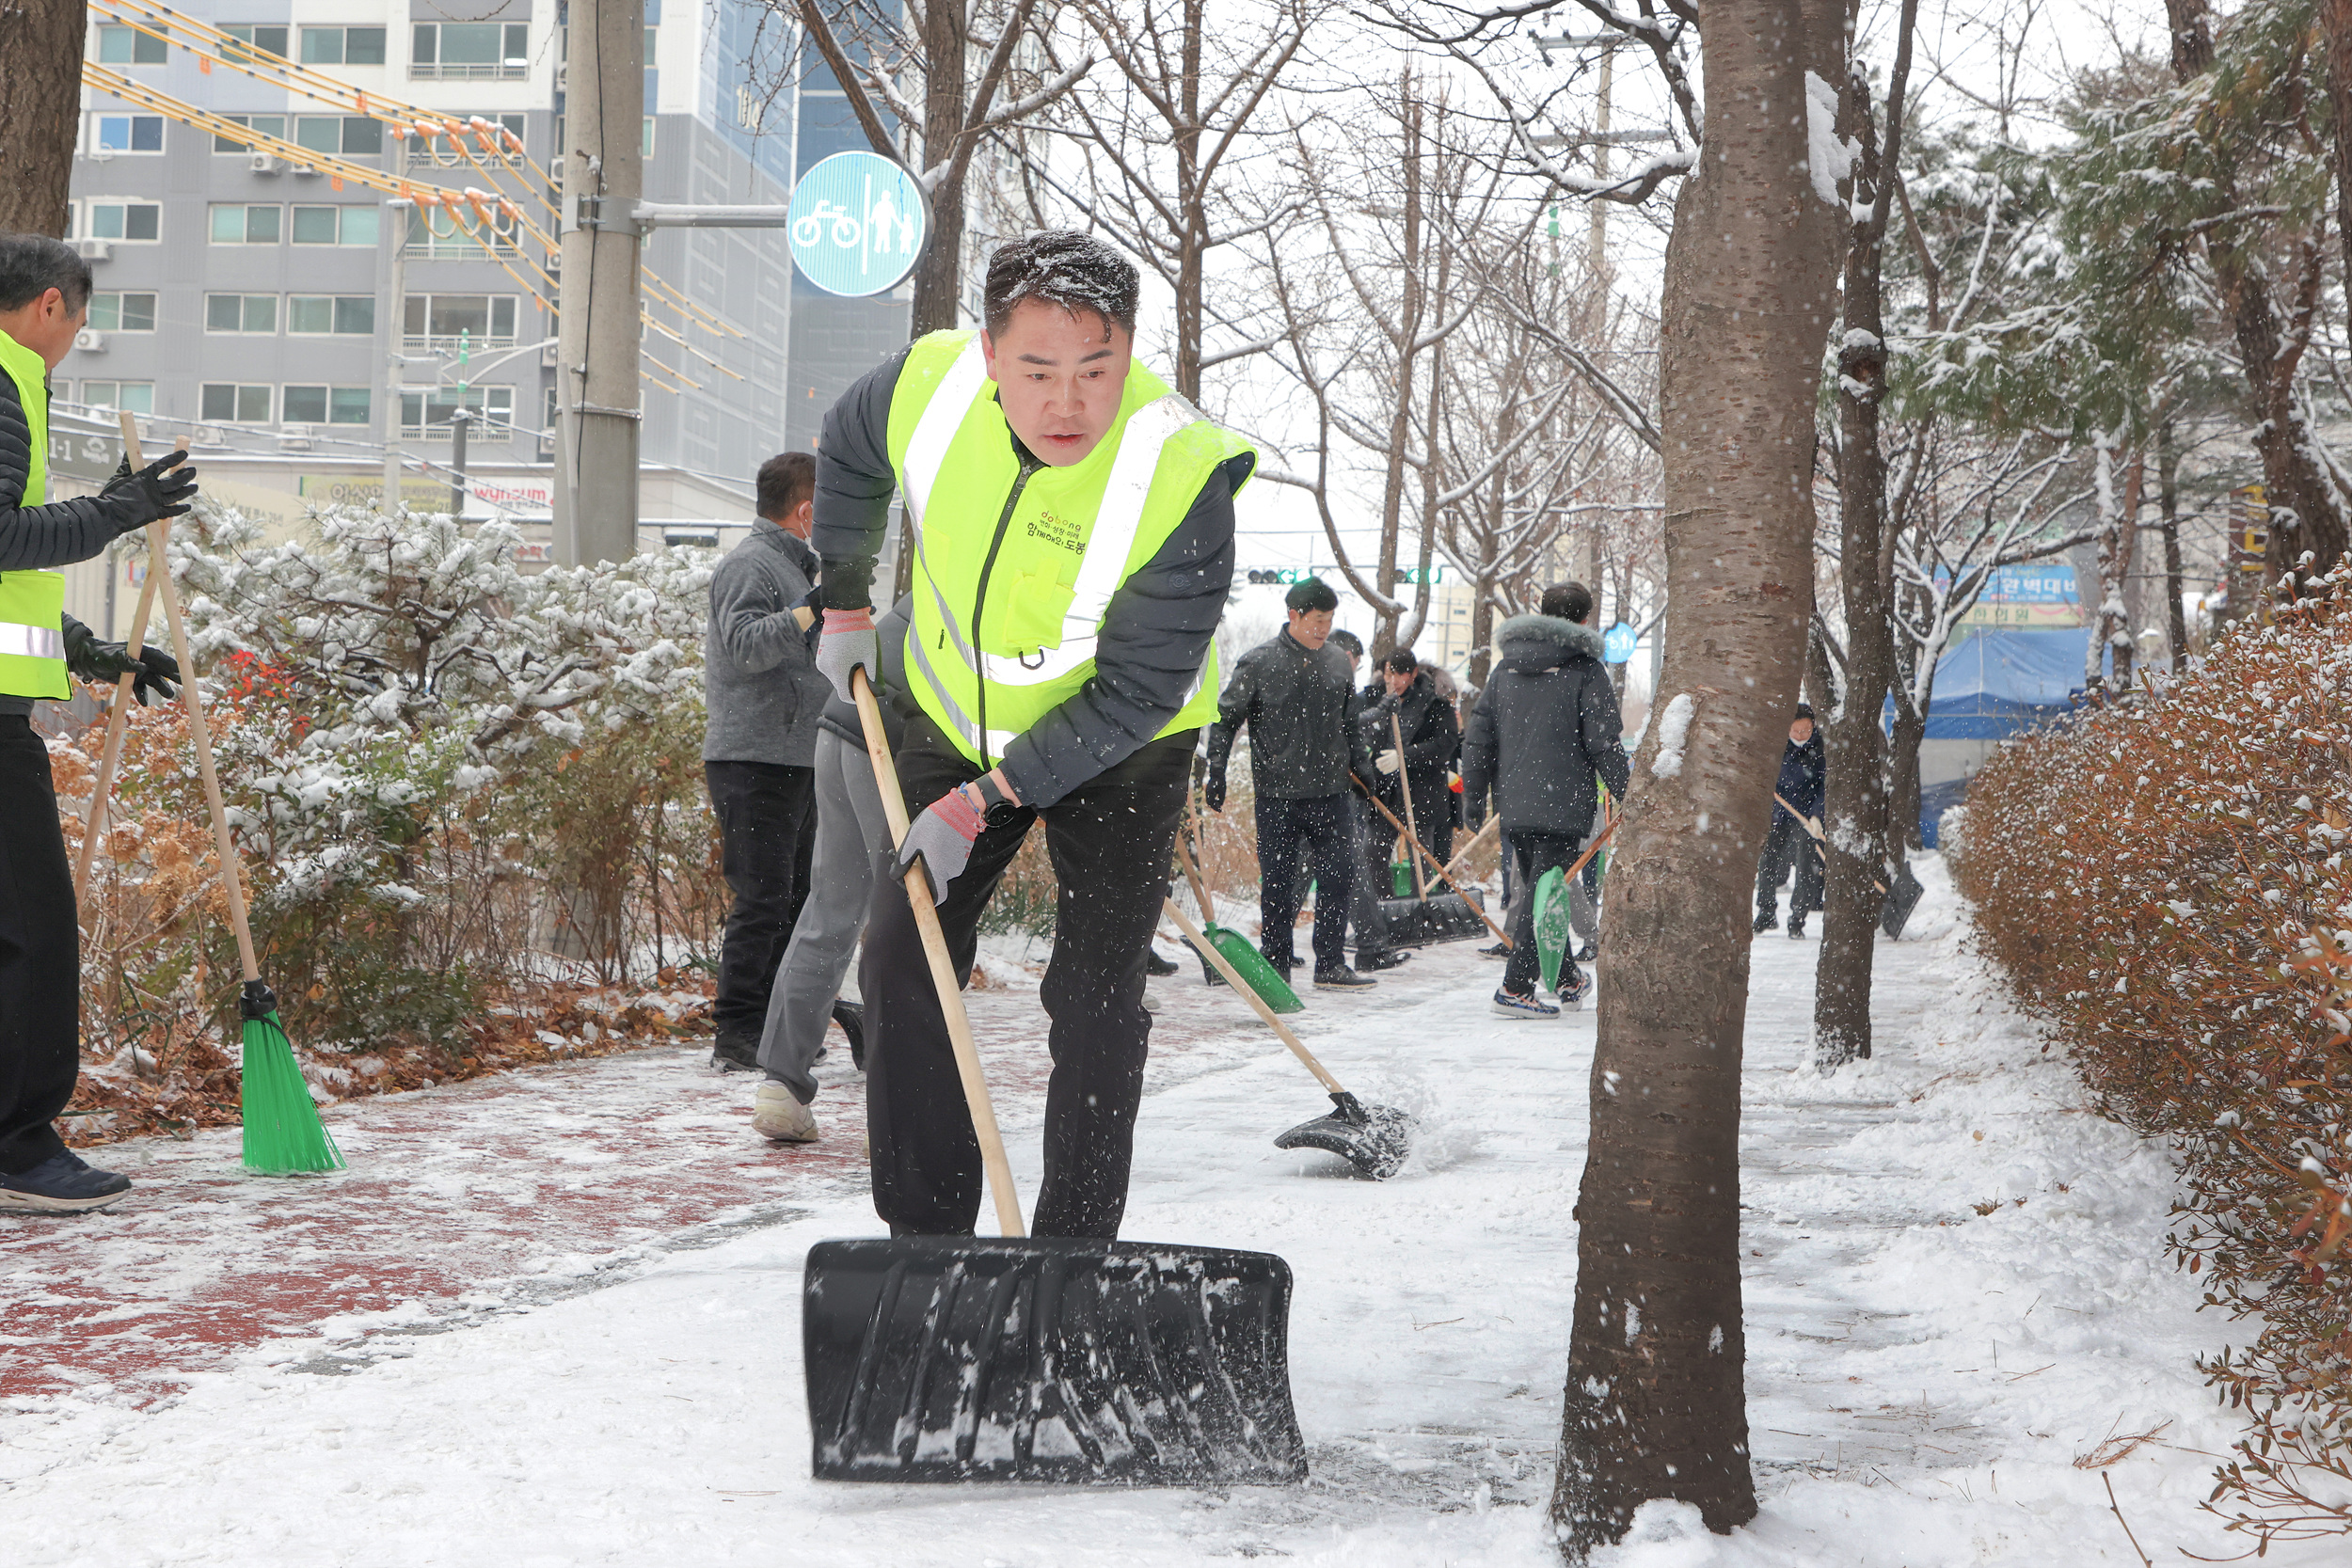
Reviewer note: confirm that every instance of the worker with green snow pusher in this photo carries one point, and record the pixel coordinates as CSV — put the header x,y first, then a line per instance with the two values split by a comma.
x,y
1071,520
44,299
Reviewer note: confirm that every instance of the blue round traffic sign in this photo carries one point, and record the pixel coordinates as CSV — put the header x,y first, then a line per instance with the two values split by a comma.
x,y
857,224
1616,643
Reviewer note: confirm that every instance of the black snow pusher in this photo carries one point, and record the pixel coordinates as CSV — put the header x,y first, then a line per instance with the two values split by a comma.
x,y
955,1358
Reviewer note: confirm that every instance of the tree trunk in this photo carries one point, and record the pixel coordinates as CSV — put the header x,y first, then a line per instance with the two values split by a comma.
x,y
2335,21
939,274
39,111
1401,406
1656,1404
2169,507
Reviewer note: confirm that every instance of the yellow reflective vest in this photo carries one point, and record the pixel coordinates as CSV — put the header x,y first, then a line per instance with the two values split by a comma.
x,y
32,604
1013,573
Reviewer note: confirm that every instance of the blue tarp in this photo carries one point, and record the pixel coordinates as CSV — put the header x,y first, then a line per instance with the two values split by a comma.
x,y
1996,681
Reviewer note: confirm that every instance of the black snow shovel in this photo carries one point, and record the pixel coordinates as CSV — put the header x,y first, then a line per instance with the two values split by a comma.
x,y
952,1358
1897,902
1372,1139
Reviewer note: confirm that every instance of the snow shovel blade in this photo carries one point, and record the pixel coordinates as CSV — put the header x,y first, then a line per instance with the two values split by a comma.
x,y
1372,1139
1903,898
1251,965
946,1358
1440,917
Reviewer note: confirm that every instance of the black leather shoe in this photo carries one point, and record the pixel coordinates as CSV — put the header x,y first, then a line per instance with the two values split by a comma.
x,y
1766,923
851,1017
1378,962
731,1054
1156,966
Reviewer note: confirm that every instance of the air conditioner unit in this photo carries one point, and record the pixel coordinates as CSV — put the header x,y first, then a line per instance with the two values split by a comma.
x,y
267,162
547,354
295,438
91,342
563,77
94,250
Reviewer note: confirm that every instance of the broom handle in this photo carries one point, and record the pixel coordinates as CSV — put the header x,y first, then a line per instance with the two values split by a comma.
x,y
942,967
1493,822
116,714
1405,787
1590,850
1232,977
1199,887
1816,833
1442,872
191,694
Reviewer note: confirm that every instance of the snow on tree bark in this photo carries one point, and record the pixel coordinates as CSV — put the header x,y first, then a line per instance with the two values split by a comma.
x,y
1656,1404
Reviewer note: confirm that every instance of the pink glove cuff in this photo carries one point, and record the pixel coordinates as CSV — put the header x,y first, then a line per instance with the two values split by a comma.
x,y
848,620
954,811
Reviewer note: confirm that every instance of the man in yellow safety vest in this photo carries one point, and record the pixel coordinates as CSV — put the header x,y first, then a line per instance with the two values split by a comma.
x,y
1071,523
45,298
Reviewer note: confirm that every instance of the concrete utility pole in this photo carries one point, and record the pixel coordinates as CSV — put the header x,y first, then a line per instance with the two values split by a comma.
x,y
396,337
596,388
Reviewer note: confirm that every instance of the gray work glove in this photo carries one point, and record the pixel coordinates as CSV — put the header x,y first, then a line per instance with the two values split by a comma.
x,y
98,663
941,838
847,643
164,488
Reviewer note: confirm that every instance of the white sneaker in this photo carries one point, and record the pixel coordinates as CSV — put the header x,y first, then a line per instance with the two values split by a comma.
x,y
777,1113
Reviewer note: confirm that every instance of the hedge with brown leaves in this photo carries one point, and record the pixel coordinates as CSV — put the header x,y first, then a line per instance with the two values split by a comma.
x,y
2165,883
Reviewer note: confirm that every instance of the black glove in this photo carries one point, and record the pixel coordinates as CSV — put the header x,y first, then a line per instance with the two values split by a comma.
x,y
1212,789
159,494
104,663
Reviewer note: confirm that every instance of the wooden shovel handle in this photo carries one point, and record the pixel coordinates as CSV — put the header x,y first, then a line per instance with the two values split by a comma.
x,y
1412,828
1200,885
942,967
1447,876
191,694
116,713
1811,827
1207,949
1494,821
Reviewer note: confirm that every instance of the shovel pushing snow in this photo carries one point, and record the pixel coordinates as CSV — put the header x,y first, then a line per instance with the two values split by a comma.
x,y
1372,1139
1899,900
933,1359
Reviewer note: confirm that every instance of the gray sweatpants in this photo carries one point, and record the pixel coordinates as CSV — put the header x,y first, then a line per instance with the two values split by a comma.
x,y
853,849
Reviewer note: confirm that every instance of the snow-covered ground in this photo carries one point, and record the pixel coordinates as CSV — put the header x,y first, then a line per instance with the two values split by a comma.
x,y
575,1384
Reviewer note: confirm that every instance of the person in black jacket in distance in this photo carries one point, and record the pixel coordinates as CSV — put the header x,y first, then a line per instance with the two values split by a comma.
x,y
1295,693
1803,764
1368,925
1544,736
1407,693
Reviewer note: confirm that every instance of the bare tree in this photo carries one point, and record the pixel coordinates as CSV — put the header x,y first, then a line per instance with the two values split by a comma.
x,y
40,105
872,49
1158,141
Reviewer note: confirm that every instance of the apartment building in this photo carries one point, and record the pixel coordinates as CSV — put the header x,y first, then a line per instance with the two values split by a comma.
x,y
253,301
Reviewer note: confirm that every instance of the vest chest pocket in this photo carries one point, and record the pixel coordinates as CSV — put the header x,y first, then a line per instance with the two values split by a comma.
x,y
1026,609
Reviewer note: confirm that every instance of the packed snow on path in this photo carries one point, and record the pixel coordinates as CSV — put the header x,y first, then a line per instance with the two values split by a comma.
x,y
1922,1376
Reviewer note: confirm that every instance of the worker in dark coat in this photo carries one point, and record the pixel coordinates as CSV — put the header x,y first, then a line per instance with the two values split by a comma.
x,y
1407,694
1802,766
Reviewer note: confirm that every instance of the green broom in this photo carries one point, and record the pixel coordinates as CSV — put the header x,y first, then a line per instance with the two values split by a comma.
x,y
283,1135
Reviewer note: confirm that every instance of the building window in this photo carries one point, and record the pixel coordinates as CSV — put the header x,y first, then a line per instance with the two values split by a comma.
x,y
326,405
342,315
471,51
349,226
130,132
125,220
342,46
131,397
340,136
222,403
113,312
436,322
266,125
128,46
424,410
261,40
241,313
246,225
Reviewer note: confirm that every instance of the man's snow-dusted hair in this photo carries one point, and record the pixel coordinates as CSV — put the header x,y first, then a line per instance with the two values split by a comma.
x,y
1061,266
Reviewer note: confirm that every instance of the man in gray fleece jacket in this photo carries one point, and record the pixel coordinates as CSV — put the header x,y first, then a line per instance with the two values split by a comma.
x,y
764,698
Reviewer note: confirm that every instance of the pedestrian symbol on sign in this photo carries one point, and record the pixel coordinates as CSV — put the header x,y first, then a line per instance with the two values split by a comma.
x,y
1616,644
858,223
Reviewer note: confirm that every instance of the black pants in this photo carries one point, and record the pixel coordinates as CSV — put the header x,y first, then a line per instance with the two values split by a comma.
x,y
1787,841
40,956
1110,840
1433,816
1322,824
766,821
1538,853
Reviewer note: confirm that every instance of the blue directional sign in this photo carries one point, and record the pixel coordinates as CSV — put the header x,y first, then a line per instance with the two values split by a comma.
x,y
1616,643
858,223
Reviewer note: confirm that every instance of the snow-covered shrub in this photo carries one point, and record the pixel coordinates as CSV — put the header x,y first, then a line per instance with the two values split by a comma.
x,y
431,761
2166,882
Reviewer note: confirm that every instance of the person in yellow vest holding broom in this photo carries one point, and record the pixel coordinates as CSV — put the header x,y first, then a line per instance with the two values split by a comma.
x,y
45,298
1072,520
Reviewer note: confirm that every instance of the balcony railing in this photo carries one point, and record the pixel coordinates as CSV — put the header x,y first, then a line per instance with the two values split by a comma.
x,y
447,343
487,73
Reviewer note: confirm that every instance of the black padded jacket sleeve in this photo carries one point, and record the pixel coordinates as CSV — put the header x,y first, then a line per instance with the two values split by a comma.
x,y
1148,657
1601,730
36,538
854,483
